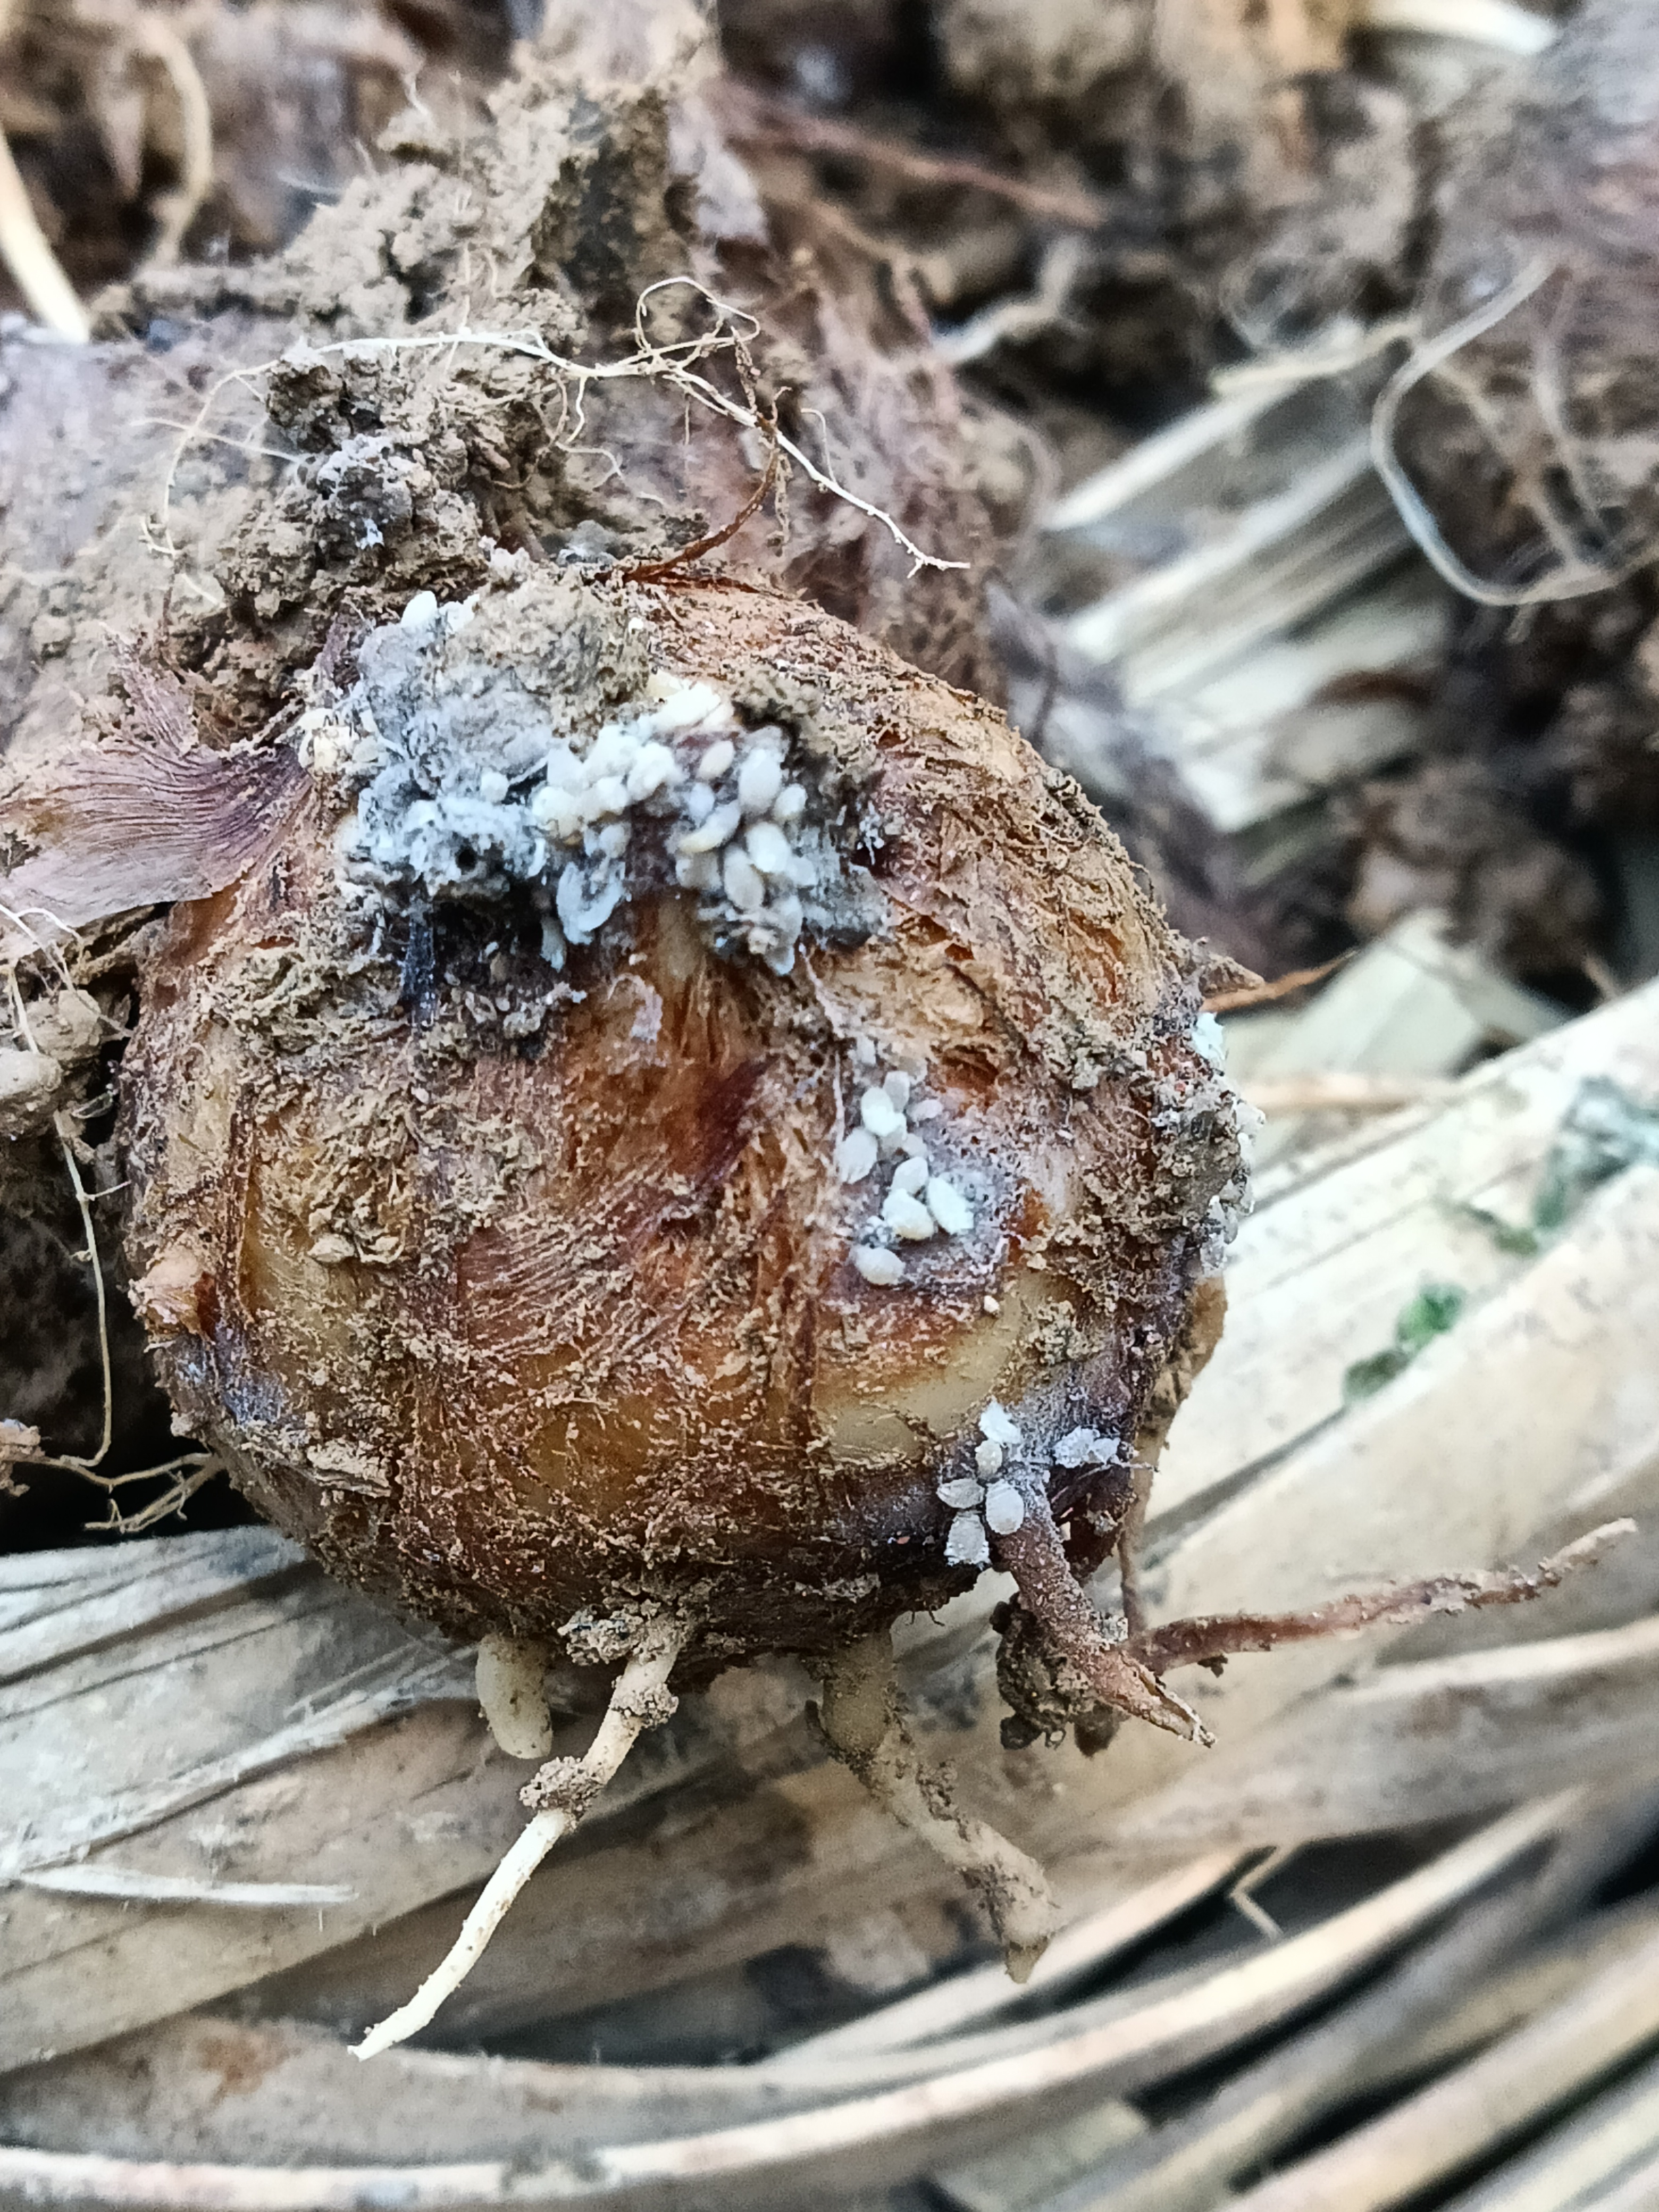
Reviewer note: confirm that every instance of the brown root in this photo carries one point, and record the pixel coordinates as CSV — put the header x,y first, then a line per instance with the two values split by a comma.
x,y
1086,1666
1209,1638
558,1797
864,1725
1061,1666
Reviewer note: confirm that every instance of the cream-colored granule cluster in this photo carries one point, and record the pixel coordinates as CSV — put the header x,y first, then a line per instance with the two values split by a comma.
x,y
919,1201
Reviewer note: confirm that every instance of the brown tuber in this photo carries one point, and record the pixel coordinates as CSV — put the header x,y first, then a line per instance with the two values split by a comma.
x,y
689,1121
522,1290
691,1142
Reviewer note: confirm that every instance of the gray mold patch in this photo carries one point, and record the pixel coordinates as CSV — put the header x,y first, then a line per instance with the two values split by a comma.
x,y
489,760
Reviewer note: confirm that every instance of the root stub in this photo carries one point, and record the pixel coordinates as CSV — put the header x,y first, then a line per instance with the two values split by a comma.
x,y
864,1725
1071,1671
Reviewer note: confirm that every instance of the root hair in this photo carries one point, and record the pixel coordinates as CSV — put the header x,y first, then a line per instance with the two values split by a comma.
x,y
681,364
1577,577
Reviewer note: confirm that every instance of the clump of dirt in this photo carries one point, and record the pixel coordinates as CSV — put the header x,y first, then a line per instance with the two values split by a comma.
x,y
1126,185
1450,838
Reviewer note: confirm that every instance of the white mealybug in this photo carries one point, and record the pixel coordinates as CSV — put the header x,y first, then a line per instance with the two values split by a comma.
x,y
856,1154
767,847
910,1177
654,769
686,708
745,887
967,1544
996,1424
961,1493
719,829
1085,1448
760,780
987,1458
877,1265
880,1117
948,1206
1005,1509
908,1217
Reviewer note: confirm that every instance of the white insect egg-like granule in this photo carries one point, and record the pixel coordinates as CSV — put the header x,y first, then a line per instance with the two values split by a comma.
x,y
856,1156
879,1265
910,1177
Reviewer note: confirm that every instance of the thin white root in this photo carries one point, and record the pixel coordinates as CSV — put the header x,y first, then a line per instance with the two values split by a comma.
x,y
32,264
515,1711
864,1725
563,1790
1010,320
677,364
